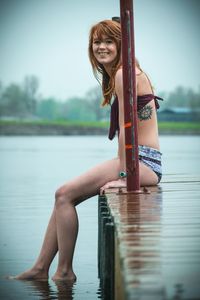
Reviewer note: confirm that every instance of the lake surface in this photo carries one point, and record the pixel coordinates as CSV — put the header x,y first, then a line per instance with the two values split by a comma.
x,y
31,169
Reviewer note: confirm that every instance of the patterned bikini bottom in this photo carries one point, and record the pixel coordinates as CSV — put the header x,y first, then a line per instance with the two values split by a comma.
x,y
152,158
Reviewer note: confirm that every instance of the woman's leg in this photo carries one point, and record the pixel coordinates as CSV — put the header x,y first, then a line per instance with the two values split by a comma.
x,y
71,194
147,178
67,197
48,251
76,191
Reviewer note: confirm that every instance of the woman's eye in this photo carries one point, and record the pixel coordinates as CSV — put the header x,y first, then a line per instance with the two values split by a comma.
x,y
109,41
96,42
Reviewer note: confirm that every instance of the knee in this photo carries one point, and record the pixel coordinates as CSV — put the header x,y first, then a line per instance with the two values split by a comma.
x,y
62,196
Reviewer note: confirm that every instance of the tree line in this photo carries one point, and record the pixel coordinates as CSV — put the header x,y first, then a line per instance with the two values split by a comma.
x,y
25,102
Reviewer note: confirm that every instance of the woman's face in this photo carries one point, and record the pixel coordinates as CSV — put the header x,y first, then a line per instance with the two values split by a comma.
x,y
104,50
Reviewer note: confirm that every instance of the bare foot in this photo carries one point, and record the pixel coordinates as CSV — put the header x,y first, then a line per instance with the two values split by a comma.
x,y
32,274
64,276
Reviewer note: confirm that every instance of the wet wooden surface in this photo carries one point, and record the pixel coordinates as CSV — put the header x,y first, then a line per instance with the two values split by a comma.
x,y
157,240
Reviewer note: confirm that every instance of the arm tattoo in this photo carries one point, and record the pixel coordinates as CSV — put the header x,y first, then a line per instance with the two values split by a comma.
x,y
145,113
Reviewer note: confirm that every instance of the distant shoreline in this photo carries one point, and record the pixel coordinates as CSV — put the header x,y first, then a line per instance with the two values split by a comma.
x,y
42,128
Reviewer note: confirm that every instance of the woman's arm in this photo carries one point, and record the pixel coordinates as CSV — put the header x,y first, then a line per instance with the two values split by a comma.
x,y
121,140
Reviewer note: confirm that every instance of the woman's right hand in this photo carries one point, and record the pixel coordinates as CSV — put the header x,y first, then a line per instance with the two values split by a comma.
x,y
120,183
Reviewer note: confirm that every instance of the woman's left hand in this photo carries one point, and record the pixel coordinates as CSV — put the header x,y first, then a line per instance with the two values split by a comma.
x,y
113,184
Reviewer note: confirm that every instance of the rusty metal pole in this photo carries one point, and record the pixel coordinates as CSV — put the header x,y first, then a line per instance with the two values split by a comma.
x,y
130,97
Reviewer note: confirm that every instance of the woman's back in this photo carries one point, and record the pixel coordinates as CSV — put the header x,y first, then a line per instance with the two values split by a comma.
x,y
147,116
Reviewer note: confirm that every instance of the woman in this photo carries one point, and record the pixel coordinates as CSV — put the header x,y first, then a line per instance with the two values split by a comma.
x,y
61,234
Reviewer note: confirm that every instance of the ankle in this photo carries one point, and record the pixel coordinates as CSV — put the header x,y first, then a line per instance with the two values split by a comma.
x,y
68,275
40,268
64,271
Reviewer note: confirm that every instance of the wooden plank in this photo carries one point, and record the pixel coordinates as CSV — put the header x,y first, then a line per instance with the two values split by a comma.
x,y
157,238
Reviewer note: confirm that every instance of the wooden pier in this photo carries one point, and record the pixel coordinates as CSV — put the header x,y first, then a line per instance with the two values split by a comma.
x,y
149,244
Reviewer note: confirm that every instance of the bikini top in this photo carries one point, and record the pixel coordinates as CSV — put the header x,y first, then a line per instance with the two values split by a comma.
x,y
114,112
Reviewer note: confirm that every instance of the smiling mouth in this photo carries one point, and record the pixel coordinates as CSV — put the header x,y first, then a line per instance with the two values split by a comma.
x,y
102,53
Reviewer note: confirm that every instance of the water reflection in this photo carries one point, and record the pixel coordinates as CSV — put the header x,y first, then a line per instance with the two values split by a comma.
x,y
178,291
140,237
43,290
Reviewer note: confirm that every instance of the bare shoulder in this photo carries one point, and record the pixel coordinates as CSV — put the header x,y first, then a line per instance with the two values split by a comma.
x,y
137,71
143,84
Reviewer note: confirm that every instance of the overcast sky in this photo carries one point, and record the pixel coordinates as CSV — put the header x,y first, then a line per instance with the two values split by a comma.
x,y
49,39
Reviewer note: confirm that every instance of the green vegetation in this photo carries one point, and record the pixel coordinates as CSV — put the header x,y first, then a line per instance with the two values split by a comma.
x,y
179,127
23,110
164,127
90,124
24,101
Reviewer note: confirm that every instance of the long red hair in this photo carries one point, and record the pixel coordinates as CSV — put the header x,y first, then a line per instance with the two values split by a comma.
x,y
112,29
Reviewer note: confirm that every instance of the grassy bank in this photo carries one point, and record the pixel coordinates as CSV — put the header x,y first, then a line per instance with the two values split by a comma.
x,y
74,128
56,123
52,128
179,127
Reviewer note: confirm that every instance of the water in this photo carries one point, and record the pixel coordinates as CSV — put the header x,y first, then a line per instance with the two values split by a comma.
x,y
31,169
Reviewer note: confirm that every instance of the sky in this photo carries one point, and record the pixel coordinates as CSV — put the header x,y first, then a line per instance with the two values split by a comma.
x,y
49,39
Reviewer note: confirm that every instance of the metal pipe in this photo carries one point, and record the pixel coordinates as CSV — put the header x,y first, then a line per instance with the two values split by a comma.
x,y
130,95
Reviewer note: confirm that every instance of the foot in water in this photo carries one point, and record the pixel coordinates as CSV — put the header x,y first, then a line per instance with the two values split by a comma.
x,y
32,274
64,276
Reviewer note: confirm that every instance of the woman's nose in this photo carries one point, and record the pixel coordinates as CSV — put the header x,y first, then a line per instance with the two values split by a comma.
x,y
102,45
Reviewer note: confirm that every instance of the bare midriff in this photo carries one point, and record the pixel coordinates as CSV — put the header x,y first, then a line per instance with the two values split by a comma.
x,y
148,132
